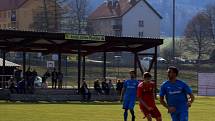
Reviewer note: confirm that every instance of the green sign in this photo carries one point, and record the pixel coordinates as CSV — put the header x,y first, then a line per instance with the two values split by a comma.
x,y
85,37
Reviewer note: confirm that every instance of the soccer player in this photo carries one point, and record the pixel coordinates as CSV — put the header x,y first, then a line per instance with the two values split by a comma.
x,y
128,95
145,94
178,96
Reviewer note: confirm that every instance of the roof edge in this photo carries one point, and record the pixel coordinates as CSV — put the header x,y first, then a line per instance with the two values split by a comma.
x,y
153,9
147,3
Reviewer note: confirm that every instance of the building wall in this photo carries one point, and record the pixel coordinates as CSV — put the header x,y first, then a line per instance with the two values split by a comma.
x,y
130,27
101,26
25,14
141,12
5,19
151,23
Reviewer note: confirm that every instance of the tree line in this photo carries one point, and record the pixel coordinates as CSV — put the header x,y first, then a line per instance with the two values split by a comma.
x,y
61,16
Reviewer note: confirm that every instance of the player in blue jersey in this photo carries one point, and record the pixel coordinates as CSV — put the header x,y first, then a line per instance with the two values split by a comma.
x,y
128,95
178,96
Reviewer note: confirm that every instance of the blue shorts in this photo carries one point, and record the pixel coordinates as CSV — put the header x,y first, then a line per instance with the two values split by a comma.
x,y
180,116
128,104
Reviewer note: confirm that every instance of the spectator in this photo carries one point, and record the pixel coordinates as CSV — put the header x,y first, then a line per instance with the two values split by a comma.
x,y
85,91
17,75
29,79
105,87
110,86
34,76
119,86
97,87
54,79
60,80
44,78
12,85
21,87
28,74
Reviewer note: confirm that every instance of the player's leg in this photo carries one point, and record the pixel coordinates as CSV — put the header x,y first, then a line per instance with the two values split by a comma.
x,y
125,114
175,117
155,113
132,114
148,117
184,116
125,107
131,108
158,119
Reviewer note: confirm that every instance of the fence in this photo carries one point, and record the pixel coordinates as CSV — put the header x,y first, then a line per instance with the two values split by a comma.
x,y
4,80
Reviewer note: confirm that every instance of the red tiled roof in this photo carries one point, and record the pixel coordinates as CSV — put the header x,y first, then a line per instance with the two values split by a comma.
x,y
11,4
104,11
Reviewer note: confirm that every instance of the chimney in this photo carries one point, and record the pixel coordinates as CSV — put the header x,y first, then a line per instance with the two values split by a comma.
x,y
109,3
132,2
115,4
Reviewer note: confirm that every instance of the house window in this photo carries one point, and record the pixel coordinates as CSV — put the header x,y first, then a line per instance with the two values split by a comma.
x,y
5,26
0,26
141,23
141,34
0,15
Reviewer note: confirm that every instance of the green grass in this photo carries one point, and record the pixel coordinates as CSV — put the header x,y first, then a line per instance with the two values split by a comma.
x,y
203,109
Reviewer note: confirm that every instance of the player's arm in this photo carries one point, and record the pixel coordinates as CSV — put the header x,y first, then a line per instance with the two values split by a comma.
x,y
163,102
170,109
144,104
190,99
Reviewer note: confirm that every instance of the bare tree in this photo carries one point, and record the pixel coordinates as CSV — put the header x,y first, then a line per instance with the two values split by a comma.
x,y
78,15
198,35
49,16
210,12
167,54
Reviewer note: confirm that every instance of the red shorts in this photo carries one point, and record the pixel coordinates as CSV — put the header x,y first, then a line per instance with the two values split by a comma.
x,y
155,113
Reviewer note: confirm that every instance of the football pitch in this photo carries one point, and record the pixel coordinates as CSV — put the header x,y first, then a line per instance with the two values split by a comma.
x,y
203,109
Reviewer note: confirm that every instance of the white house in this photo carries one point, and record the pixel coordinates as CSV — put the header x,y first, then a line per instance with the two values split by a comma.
x,y
136,18
125,18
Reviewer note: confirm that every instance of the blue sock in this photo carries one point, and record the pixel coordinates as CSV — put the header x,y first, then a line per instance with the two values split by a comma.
x,y
125,115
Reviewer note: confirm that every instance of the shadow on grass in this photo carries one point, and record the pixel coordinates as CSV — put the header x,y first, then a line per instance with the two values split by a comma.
x,y
3,102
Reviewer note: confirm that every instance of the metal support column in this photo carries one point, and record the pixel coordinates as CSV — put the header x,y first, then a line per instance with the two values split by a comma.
x,y
3,69
23,64
79,68
83,68
155,71
135,63
59,61
104,65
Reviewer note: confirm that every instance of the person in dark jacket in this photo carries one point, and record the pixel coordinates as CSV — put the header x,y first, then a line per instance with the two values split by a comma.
x,y
85,91
97,87
54,78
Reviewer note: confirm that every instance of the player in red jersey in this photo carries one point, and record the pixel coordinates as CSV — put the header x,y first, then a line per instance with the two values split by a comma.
x,y
145,94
